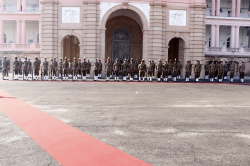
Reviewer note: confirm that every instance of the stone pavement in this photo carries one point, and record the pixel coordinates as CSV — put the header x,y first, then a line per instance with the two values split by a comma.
x,y
159,123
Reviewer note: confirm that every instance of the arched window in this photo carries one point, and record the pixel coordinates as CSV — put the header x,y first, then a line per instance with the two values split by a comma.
x,y
228,42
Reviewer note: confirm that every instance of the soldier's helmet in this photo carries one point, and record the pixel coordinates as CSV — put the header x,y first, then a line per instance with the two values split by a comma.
x,y
166,60
143,60
25,57
45,57
116,59
149,60
36,57
15,57
60,58
131,59
74,58
5,57
65,58
79,59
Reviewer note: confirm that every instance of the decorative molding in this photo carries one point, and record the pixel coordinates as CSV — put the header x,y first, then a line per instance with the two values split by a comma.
x,y
70,14
104,7
178,17
144,7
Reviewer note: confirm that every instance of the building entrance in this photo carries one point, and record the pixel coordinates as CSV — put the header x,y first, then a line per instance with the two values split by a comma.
x,y
176,49
71,47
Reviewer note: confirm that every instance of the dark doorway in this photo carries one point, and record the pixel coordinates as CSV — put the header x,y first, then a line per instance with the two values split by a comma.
x,y
173,51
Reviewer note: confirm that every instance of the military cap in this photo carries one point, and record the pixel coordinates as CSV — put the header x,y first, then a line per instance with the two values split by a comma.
x,y
142,60
60,58
166,60
25,57
84,58
15,57
242,62
70,60
79,59
152,60
45,57
29,58
125,59
99,59
5,56
149,60
116,59
174,60
136,59
65,58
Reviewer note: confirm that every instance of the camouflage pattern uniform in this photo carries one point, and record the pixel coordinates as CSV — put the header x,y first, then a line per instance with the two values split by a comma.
x,y
159,68
6,67
242,69
150,68
188,68
15,68
65,69
75,69
124,70
96,69
212,71
225,70
165,71
36,65
116,67
84,68
232,70
131,70
142,69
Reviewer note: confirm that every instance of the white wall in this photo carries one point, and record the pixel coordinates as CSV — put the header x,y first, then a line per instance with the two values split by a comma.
x,y
9,28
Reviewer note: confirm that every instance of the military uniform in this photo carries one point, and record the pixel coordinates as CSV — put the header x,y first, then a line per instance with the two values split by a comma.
x,y
6,67
65,69
124,70
15,68
79,70
116,67
26,69
242,72
216,70
54,69
142,69
108,68
20,68
75,69
170,68
153,63
159,68
174,70
232,70
100,69
179,66
212,71
206,66
188,68
220,71
60,65
150,68
36,65
131,70
225,70
136,69
88,69
84,68
96,69
45,69
165,71
30,69
70,68
197,70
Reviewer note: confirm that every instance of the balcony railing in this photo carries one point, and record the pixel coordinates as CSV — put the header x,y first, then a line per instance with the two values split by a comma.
x,y
221,51
32,8
19,47
10,8
233,49
215,49
247,49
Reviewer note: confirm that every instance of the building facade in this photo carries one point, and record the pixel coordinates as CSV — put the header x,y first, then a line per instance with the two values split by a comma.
x,y
186,30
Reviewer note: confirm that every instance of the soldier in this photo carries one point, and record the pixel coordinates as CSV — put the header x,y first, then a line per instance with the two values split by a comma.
x,y
170,67
197,70
96,69
242,71
70,71
54,69
131,69
174,70
74,69
153,72
116,68
6,67
136,69
79,73
212,71
50,68
100,69
188,68
206,70
232,70
30,68
179,66
124,70
225,70
65,69
165,71
36,65
20,68
60,68
25,68
150,69
159,68
45,69
216,70
84,68
88,69
108,68
15,68
142,70
220,71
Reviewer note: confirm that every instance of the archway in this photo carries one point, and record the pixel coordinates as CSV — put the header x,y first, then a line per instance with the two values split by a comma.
x,y
176,49
71,47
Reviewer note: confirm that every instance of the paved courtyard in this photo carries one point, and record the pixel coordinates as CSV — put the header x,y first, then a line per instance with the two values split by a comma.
x,y
159,123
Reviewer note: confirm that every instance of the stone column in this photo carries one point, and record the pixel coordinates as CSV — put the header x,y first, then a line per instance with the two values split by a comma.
x,y
218,8
145,44
237,33
18,31
1,5
59,55
232,38
102,48
212,40
213,8
24,5
1,32
217,42
23,31
40,32
233,8
238,8
18,5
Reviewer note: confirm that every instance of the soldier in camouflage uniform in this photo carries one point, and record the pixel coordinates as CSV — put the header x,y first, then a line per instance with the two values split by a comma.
x,y
84,68
20,68
232,70
174,70
136,69
30,68
26,69
170,67
45,69
225,70
216,70
206,66
116,68
153,63
150,68
74,69
36,65
179,66
197,70
15,68
131,69
242,71
96,69
65,69
60,67
165,71
142,70
70,71
100,69
212,71
124,70
108,68
6,67
188,68
159,68
88,69
54,69
220,71
79,71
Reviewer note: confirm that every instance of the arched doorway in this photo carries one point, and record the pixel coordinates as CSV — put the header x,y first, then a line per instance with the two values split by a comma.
x,y
121,44
71,47
176,49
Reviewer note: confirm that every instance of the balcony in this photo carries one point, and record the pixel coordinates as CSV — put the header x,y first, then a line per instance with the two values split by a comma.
x,y
223,51
20,47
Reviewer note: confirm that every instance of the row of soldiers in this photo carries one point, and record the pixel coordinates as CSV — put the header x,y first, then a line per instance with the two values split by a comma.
x,y
164,71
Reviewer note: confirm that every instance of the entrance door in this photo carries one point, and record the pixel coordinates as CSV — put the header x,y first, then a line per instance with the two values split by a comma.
x,y
120,44
173,51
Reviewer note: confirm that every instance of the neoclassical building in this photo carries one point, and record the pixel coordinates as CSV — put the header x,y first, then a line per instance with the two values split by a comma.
x,y
139,29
